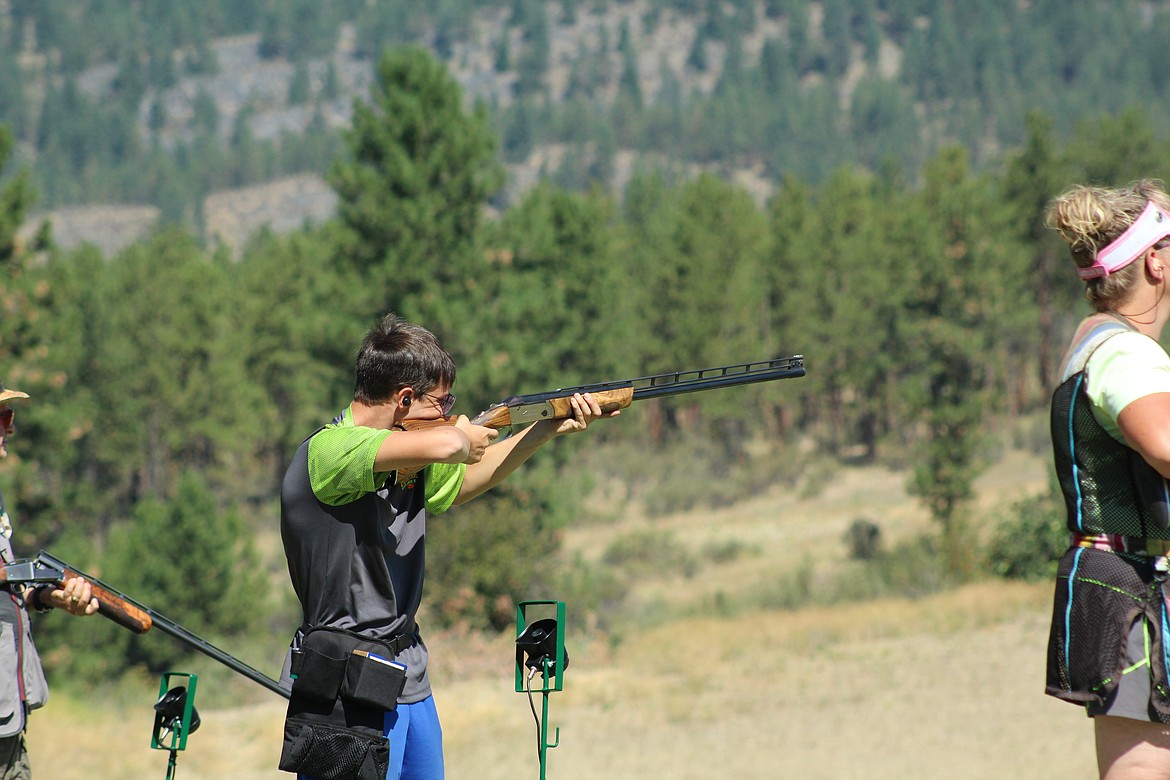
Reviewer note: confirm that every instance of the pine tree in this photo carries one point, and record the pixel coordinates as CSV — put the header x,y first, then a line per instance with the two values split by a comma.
x,y
16,196
1035,175
190,561
413,190
963,303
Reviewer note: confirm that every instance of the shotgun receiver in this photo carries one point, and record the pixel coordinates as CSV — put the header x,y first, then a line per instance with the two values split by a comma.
x,y
110,603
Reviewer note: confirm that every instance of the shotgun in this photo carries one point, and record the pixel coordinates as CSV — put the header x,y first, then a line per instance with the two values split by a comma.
x,y
126,612
110,604
611,396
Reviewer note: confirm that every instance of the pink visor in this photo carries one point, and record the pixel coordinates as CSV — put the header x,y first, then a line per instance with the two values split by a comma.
x,y
1151,226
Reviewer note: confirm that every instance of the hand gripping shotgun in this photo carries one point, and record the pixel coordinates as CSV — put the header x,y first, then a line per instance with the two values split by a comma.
x,y
125,611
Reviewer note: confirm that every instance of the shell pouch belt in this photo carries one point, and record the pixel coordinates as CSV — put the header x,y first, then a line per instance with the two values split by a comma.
x,y
343,685
332,663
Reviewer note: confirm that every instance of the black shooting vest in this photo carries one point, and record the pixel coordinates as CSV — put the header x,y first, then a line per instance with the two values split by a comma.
x,y
359,566
1108,487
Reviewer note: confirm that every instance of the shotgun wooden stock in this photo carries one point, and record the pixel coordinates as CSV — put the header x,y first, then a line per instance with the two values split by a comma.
x,y
110,604
560,408
113,606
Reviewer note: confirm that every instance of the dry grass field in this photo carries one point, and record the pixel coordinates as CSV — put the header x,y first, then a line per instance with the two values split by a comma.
x,y
944,686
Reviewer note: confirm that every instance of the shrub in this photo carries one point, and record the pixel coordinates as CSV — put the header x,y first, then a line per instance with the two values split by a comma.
x,y
650,552
1028,543
864,539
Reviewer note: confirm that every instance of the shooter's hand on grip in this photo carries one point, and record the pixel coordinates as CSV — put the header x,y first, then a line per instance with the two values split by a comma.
x,y
480,436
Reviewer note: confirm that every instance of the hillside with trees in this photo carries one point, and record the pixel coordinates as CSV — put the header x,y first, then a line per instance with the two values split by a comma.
x,y
168,103
172,379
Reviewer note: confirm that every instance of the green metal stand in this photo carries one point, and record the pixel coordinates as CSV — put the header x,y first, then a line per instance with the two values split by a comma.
x,y
552,671
175,716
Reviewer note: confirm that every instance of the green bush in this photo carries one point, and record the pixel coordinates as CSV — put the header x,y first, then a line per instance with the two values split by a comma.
x,y
913,568
864,539
595,593
485,557
793,589
728,550
649,552
1028,543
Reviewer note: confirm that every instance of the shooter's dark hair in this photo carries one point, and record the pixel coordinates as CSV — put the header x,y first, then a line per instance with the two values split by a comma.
x,y
396,354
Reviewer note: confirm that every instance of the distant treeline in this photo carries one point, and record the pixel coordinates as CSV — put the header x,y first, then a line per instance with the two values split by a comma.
x,y
778,87
171,383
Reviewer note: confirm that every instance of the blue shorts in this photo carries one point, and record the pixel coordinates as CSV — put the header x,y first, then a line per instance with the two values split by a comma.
x,y
416,741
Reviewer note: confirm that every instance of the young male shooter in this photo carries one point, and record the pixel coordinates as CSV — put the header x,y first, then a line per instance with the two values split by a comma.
x,y
354,531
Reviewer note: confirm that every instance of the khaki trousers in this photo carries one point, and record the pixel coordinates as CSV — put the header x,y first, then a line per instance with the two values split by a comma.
x,y
14,758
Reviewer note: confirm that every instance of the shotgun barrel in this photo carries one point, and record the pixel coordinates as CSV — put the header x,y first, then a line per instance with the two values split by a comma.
x,y
150,618
554,404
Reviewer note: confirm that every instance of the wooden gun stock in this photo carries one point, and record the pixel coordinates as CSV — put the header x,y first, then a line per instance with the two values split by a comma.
x,y
48,570
114,607
500,415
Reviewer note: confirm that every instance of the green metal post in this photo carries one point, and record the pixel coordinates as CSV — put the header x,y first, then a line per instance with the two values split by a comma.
x,y
544,743
172,729
552,672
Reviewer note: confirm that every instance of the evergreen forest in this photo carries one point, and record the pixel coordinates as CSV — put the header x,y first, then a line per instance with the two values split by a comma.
x,y
901,250
155,102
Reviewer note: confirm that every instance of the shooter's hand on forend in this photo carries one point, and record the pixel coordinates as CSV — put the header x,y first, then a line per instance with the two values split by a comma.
x,y
584,408
75,596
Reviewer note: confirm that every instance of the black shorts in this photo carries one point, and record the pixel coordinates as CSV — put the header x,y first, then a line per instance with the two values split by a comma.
x,y
1105,646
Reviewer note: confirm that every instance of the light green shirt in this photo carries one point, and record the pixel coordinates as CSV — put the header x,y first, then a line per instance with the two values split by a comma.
x,y
1123,369
341,466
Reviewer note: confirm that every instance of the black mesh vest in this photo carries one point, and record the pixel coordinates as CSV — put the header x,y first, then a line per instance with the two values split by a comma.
x,y
1107,486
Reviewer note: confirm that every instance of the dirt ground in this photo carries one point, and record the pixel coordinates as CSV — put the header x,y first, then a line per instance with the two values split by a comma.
x,y
882,690
946,686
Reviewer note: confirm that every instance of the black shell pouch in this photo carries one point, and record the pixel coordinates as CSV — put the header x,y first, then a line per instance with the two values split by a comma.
x,y
343,685
329,752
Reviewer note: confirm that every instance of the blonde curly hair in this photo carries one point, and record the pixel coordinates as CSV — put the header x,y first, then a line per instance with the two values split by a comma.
x,y
1091,218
